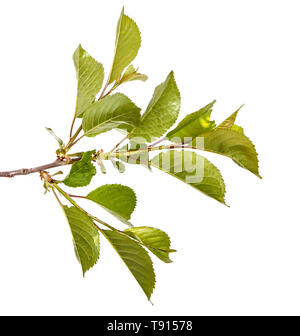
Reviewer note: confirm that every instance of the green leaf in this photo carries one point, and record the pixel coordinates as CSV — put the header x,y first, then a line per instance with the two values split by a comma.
x,y
193,125
81,172
115,111
157,241
131,74
60,142
135,258
194,170
229,122
117,199
238,129
233,144
128,42
85,237
161,112
90,76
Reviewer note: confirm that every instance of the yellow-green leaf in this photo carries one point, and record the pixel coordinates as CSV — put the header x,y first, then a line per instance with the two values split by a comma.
x,y
233,144
85,237
131,74
90,76
128,42
194,170
115,111
117,199
81,172
193,125
229,122
157,241
161,112
135,258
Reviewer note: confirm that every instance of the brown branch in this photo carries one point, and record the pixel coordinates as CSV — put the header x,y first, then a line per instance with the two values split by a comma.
x,y
27,171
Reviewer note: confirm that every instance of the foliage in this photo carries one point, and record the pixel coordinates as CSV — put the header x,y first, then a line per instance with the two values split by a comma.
x,y
98,112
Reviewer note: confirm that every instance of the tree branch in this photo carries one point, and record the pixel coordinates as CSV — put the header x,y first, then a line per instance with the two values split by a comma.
x,y
27,171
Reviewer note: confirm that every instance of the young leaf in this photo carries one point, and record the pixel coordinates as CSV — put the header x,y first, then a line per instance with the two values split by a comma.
x,y
60,142
119,166
81,172
161,112
116,111
233,144
128,42
102,167
157,241
117,199
135,258
193,125
131,74
90,76
194,170
85,237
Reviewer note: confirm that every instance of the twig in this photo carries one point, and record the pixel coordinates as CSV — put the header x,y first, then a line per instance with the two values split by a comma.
x,y
77,196
119,143
70,143
75,142
72,125
27,171
157,142
104,89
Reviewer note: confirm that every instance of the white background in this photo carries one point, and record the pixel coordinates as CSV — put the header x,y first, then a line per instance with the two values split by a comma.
x,y
239,260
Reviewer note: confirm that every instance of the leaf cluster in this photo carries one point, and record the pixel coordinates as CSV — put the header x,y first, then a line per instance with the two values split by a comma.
x,y
100,109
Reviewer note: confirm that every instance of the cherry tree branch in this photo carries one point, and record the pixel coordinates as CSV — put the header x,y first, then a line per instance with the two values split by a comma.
x,y
27,171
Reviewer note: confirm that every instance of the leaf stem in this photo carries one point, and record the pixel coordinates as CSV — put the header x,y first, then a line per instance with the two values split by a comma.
x,y
104,89
65,195
75,142
58,200
119,143
149,149
68,197
158,142
72,126
77,196
71,141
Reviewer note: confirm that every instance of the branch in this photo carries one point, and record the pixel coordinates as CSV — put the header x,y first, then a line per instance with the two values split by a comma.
x,y
27,171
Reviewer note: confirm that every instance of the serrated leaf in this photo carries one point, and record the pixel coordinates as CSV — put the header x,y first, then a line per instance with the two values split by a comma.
x,y
117,199
238,129
131,74
115,111
135,258
90,76
233,144
85,237
81,172
128,42
229,122
161,112
194,170
193,125
157,241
